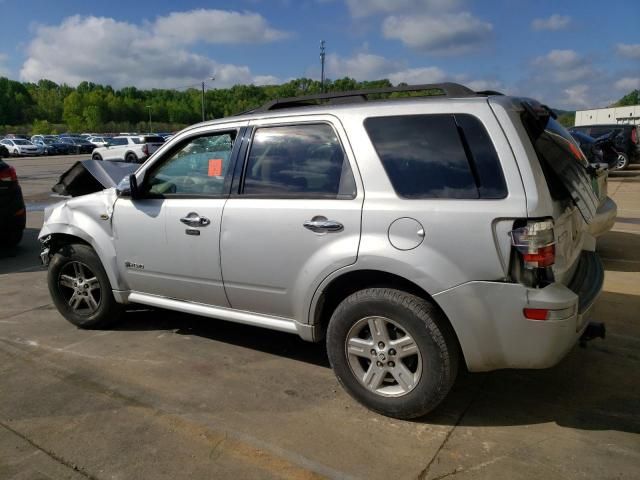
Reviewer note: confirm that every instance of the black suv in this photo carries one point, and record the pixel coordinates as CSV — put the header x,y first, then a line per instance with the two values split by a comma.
x,y
625,139
12,211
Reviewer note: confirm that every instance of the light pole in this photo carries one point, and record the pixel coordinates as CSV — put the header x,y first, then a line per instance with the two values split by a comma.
x,y
149,107
212,79
322,66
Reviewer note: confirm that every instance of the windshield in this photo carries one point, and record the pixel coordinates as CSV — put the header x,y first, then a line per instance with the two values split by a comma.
x,y
22,142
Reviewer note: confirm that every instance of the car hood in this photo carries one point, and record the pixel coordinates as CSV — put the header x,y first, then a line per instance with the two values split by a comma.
x,y
89,176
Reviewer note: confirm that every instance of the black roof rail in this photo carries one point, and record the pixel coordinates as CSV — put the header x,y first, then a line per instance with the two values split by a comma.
x,y
448,89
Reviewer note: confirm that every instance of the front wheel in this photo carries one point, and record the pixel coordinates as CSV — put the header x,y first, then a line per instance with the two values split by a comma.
x,y
80,288
622,161
392,351
96,156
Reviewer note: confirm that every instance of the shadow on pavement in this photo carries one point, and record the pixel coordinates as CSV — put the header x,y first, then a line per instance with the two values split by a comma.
x,y
24,256
256,338
596,388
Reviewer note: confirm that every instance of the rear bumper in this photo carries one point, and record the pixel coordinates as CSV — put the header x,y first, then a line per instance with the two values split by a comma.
x,y
493,332
604,218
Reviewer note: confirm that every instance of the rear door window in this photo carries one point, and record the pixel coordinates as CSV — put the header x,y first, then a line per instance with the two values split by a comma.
x,y
437,156
302,161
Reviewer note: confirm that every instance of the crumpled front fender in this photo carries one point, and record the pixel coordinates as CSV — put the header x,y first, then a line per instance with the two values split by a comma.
x,y
89,218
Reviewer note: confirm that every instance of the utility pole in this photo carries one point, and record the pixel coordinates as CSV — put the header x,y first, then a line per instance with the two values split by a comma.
x,y
149,107
212,79
322,66
203,100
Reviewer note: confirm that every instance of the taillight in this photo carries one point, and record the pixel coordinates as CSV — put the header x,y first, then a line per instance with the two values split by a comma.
x,y
634,135
543,314
536,243
145,149
8,175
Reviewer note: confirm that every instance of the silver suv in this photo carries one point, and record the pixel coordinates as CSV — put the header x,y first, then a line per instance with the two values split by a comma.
x,y
413,234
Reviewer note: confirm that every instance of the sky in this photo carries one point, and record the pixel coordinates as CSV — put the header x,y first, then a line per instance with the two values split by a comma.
x,y
568,54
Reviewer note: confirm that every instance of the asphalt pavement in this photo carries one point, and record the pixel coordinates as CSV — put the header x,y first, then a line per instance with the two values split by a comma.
x,y
169,395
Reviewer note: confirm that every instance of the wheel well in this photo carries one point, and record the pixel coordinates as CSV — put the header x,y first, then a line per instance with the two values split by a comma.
x,y
59,240
343,286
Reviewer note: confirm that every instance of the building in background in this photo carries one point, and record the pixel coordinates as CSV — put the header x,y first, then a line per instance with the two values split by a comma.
x,y
600,116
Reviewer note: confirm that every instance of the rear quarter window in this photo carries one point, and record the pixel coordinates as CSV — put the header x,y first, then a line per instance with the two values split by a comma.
x,y
437,156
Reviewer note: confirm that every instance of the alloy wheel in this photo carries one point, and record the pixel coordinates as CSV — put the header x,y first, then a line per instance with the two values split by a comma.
x,y
80,288
383,356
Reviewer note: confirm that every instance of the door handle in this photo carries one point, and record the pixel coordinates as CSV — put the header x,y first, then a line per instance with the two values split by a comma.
x,y
195,220
321,225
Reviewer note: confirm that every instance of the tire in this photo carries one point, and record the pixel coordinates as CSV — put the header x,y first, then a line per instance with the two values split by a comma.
x,y
16,153
78,262
427,368
131,158
622,163
12,238
96,156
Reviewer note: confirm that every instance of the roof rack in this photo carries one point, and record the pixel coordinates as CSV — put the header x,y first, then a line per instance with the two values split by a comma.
x,y
448,89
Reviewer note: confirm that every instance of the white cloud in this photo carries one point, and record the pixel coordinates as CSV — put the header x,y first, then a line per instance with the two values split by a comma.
x,y
626,84
363,8
449,33
578,96
563,66
107,51
554,22
415,76
362,66
629,50
216,26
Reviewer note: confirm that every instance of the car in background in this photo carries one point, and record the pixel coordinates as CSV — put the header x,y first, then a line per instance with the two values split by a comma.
x,y
78,145
626,140
13,215
132,149
99,141
18,147
600,150
51,145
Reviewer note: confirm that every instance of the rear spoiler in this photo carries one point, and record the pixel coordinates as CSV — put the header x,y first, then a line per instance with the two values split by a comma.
x,y
89,176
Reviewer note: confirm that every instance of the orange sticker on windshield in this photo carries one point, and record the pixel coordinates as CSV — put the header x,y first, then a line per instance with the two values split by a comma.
x,y
215,167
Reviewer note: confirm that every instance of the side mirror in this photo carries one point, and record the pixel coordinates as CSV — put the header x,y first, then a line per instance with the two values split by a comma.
x,y
128,187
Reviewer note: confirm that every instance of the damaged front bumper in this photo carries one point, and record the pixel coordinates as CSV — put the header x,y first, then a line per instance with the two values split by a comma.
x,y
45,249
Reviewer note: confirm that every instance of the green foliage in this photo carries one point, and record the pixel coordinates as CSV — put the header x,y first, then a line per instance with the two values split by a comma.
x,y
42,127
632,98
567,119
46,106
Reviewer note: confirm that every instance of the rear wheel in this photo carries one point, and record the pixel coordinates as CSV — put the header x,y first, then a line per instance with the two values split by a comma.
x,y
131,158
80,288
392,351
96,156
622,162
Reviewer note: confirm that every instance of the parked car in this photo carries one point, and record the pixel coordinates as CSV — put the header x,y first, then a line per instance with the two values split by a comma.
x,y
133,149
99,141
12,210
625,137
78,145
51,145
410,234
18,147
